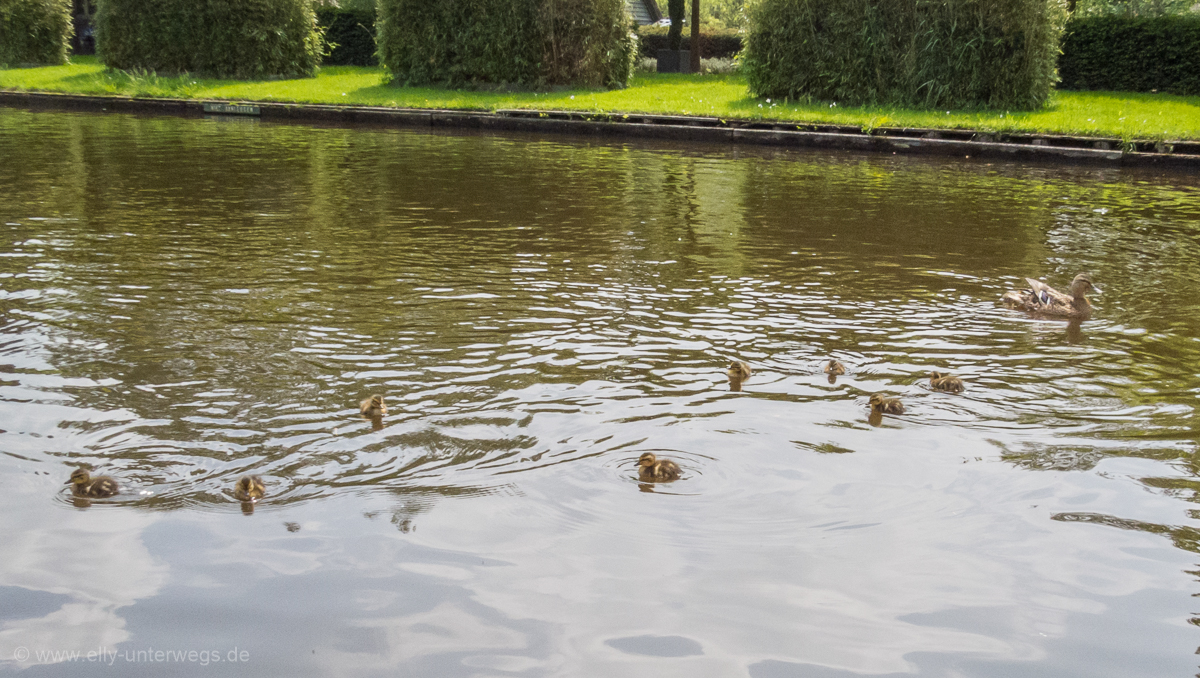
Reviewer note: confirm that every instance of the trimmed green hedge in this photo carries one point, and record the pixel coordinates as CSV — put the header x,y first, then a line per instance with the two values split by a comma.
x,y
921,53
722,44
1132,54
350,35
222,38
34,31
524,42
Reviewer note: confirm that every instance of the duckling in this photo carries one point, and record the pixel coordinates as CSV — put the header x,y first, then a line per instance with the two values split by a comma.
x,y
249,488
1042,299
944,381
84,485
653,469
834,368
738,371
884,405
373,407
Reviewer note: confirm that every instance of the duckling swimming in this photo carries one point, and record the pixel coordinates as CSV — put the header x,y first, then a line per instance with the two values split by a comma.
x,y
249,488
373,407
884,405
738,371
655,470
944,381
834,368
1042,299
84,485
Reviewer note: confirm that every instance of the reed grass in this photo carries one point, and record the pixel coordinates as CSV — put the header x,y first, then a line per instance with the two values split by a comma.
x,y
34,31
525,42
1104,114
244,39
929,53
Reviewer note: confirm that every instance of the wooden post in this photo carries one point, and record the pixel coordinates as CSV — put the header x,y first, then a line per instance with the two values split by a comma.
x,y
695,46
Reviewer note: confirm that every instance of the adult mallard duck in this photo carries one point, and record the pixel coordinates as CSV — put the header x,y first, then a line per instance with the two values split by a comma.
x,y
1042,299
834,368
249,488
884,405
654,470
942,381
84,485
373,407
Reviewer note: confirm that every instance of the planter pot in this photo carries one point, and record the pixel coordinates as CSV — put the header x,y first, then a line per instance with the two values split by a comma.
x,y
674,61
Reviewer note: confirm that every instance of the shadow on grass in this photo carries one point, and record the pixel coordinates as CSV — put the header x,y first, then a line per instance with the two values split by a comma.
x,y
1148,98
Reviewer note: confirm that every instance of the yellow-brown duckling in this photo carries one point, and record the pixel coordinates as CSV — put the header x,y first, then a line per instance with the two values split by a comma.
x,y
373,407
885,405
249,488
944,381
84,485
834,368
655,470
738,370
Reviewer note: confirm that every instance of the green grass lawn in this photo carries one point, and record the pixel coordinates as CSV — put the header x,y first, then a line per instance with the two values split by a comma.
x,y
1110,114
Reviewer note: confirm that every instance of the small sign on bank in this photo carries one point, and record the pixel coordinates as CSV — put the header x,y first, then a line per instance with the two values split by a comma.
x,y
232,109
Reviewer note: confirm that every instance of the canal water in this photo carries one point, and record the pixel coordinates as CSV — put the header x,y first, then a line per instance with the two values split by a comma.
x,y
186,301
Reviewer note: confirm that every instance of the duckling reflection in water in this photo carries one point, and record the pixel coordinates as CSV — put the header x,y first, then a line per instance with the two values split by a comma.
x,y
834,369
1043,300
943,381
249,488
373,407
655,470
738,372
84,485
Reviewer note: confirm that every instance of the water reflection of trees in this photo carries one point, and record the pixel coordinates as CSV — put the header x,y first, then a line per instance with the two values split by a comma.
x,y
1182,536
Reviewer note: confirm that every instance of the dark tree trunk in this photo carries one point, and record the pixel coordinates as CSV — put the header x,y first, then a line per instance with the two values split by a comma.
x,y
695,43
676,9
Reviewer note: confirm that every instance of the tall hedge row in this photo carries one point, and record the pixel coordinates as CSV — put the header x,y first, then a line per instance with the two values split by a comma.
x,y
926,53
719,44
350,35
1132,54
523,42
223,38
34,31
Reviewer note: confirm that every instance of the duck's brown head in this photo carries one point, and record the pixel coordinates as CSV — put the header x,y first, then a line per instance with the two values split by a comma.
x,y
1082,283
647,459
79,476
876,400
938,375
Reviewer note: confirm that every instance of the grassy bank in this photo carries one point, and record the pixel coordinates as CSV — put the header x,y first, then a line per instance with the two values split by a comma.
x,y
1110,114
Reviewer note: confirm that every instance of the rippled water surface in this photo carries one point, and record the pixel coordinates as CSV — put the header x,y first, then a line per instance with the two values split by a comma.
x,y
183,302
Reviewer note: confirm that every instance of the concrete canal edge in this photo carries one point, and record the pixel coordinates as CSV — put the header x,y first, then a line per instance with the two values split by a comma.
x,y
961,143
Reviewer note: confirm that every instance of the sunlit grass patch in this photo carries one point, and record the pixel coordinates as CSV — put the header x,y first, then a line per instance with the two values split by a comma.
x,y
1108,114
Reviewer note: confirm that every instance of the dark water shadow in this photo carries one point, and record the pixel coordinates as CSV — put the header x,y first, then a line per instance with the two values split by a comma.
x,y
657,646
